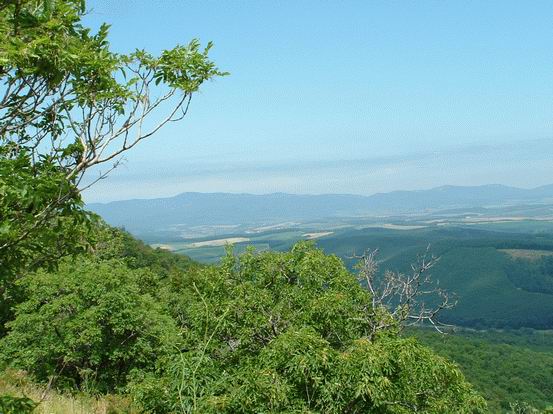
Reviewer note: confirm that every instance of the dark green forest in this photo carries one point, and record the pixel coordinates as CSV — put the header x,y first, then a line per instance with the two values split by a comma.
x,y
505,366
494,289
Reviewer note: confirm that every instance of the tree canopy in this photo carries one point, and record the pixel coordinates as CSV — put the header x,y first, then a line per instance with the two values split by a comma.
x,y
262,332
292,332
68,103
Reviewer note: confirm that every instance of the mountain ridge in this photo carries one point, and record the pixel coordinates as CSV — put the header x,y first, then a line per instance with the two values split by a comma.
x,y
195,208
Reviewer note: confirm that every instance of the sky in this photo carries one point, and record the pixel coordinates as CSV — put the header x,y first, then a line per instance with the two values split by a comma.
x,y
345,96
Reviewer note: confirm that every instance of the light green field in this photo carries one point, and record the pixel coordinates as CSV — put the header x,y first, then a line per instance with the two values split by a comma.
x,y
211,250
526,254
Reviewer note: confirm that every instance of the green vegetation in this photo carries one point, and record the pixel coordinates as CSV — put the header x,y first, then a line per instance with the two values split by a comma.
x,y
35,226
261,332
14,405
532,274
90,323
505,366
68,104
92,318
290,332
495,289
19,393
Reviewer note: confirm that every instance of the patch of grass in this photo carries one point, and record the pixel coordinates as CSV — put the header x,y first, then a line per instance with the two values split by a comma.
x,y
17,384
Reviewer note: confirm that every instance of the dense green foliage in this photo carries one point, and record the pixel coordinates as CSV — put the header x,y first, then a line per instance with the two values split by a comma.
x,y
113,243
497,363
68,103
506,367
16,405
95,317
89,322
532,275
270,332
36,226
288,332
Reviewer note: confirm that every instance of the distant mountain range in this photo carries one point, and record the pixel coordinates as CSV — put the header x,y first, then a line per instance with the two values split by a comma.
x,y
196,209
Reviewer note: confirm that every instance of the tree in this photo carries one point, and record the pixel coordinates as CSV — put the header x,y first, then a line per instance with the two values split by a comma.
x,y
67,104
292,332
413,297
88,325
68,98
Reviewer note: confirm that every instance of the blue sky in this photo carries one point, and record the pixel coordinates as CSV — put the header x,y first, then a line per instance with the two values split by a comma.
x,y
346,96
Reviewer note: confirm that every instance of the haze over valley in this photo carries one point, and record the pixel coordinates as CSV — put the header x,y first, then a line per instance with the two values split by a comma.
x,y
193,215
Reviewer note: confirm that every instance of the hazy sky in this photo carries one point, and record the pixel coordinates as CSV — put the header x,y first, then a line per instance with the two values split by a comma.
x,y
346,96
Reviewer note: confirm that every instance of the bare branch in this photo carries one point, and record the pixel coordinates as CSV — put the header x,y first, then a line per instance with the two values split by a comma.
x,y
402,300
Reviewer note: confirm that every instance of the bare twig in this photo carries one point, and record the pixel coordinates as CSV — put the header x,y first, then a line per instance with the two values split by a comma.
x,y
408,299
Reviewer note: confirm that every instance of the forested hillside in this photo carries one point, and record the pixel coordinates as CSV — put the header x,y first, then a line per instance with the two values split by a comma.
x,y
506,367
153,325
501,278
501,273
108,323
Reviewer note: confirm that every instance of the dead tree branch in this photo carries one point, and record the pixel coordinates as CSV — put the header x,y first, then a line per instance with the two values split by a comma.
x,y
399,299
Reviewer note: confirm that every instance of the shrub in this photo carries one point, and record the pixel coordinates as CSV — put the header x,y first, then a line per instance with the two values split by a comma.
x,y
288,332
89,325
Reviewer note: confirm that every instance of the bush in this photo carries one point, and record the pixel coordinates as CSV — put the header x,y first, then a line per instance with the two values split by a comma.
x,y
89,325
289,332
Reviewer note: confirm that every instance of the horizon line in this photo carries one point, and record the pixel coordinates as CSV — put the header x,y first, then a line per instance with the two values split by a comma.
x,y
321,194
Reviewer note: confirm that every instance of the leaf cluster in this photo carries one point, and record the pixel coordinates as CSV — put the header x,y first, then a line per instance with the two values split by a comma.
x,y
63,92
16,405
